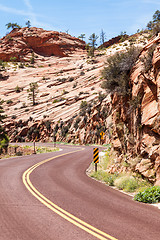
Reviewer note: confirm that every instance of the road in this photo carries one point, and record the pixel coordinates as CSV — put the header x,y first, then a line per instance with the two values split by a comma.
x,y
50,197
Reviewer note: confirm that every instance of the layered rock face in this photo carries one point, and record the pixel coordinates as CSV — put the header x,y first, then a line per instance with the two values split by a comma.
x,y
20,42
136,119
111,42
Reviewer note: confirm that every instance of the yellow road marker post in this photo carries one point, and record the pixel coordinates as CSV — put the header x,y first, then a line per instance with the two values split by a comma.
x,y
102,136
96,157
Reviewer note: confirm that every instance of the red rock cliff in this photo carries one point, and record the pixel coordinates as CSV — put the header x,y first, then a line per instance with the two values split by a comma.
x,y
19,42
136,120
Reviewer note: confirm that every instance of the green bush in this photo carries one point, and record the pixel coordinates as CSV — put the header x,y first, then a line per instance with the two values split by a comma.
x,y
83,104
9,101
117,71
97,175
21,65
13,59
126,183
147,59
75,85
150,195
76,124
108,178
17,89
64,130
82,73
4,141
14,117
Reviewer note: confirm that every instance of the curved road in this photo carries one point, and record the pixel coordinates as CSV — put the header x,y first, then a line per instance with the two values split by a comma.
x,y
50,197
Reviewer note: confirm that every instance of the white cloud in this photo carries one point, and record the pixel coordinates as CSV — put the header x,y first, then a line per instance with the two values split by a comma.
x,y
33,17
29,14
13,10
28,4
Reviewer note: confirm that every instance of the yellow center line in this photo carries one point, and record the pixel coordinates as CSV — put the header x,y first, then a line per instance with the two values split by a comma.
x,y
58,210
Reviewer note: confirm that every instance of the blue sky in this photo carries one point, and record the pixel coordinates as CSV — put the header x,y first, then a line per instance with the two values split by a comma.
x,y
80,16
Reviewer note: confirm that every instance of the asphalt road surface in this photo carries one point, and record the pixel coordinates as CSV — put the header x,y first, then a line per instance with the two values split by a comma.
x,y
50,197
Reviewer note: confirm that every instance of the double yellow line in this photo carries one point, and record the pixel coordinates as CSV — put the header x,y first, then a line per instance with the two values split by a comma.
x,y
61,212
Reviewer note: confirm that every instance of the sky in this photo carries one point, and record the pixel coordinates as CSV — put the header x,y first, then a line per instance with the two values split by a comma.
x,y
79,16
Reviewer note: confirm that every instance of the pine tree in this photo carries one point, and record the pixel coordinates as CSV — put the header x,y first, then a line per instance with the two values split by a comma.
x,y
12,25
154,25
102,37
28,24
156,16
32,59
93,38
33,90
82,36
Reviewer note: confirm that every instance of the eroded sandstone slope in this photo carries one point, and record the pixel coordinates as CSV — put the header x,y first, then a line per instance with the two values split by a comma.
x,y
136,119
72,105
21,42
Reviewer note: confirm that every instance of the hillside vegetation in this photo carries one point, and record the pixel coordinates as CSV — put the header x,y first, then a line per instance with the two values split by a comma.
x,y
74,95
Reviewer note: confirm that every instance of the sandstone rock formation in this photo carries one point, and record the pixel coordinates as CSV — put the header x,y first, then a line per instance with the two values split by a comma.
x,y
136,120
131,124
111,42
20,42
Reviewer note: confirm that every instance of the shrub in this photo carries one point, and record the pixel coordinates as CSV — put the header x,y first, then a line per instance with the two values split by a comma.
x,y
150,195
77,123
62,80
101,97
108,178
64,92
4,142
23,105
55,101
82,73
82,112
117,71
97,175
9,101
75,85
17,89
14,117
64,130
48,125
71,79
126,183
56,128
147,60
32,59
21,65
83,104
13,59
